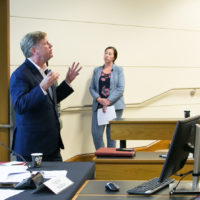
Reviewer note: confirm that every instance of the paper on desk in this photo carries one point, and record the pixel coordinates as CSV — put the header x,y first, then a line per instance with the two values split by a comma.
x,y
190,156
58,184
54,173
13,174
104,117
12,163
6,193
19,176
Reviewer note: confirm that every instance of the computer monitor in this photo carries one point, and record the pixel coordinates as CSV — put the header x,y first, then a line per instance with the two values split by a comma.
x,y
183,142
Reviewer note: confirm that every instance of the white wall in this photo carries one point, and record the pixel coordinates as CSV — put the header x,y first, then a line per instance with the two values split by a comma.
x,y
158,44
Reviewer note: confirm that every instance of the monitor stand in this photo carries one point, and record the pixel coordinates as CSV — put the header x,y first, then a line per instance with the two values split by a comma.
x,y
188,187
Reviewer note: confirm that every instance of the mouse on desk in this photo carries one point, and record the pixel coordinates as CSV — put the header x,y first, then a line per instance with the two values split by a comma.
x,y
113,187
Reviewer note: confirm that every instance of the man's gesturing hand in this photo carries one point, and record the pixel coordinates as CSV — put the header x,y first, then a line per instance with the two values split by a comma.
x,y
49,80
72,72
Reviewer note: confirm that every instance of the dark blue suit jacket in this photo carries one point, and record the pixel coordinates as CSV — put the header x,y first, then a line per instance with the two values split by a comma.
x,y
37,125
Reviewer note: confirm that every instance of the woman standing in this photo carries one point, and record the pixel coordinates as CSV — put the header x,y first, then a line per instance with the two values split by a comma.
x,y
106,88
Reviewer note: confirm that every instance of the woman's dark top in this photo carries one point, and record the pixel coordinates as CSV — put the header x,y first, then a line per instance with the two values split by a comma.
x,y
104,85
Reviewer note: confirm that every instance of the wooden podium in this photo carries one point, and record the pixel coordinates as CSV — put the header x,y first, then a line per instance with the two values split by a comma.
x,y
144,166
142,129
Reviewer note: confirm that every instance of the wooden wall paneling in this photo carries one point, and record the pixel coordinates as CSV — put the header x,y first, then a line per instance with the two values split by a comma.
x,y
4,76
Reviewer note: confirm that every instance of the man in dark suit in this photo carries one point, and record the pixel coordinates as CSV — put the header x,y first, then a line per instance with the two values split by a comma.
x,y
35,98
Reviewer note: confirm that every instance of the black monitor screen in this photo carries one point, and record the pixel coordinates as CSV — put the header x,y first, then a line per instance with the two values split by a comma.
x,y
181,145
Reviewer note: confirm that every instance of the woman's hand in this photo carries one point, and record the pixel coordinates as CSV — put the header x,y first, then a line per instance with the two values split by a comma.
x,y
104,108
103,101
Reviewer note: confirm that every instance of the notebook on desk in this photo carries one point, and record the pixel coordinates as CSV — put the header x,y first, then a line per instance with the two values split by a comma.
x,y
112,152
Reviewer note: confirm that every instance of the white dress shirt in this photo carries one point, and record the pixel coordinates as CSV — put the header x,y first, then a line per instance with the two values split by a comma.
x,y
41,72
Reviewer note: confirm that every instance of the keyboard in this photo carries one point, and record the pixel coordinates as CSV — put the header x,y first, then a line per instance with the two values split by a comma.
x,y
150,187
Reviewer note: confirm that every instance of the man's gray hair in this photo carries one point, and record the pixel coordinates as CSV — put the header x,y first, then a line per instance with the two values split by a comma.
x,y
30,40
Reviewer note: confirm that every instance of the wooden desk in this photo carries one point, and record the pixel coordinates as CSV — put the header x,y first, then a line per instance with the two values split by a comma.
x,y
144,166
95,190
